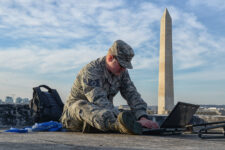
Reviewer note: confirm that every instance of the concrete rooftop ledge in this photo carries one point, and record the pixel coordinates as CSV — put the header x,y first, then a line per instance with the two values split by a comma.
x,y
19,115
15,115
79,141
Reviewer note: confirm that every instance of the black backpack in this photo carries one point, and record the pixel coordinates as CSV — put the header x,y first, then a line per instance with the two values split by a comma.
x,y
46,105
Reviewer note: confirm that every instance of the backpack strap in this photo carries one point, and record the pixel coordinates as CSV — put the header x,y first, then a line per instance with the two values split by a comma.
x,y
46,87
55,94
38,91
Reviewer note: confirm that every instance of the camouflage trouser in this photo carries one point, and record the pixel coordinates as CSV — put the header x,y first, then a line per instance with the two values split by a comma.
x,y
82,111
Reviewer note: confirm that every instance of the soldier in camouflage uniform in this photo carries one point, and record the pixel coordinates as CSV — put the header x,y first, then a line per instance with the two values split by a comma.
x,y
90,102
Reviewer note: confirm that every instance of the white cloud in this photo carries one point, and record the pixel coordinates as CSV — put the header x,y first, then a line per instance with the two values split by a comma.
x,y
193,46
56,22
212,74
143,62
133,26
47,61
63,35
53,61
215,4
66,19
37,18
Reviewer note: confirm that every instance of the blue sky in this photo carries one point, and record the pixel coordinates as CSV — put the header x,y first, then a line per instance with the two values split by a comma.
x,y
48,42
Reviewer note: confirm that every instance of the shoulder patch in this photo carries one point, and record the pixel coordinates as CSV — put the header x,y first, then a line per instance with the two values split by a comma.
x,y
93,83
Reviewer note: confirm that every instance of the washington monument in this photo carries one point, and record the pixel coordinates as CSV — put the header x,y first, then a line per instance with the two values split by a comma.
x,y
165,89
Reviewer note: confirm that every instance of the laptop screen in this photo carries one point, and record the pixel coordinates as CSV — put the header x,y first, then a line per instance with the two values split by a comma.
x,y
180,116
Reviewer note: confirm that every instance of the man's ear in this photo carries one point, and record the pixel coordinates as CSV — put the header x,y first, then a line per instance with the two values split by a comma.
x,y
110,58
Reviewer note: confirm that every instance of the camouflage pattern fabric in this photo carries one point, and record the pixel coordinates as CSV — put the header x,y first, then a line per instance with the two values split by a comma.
x,y
91,97
81,111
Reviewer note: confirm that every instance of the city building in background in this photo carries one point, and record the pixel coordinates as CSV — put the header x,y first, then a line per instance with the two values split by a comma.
x,y
11,100
19,100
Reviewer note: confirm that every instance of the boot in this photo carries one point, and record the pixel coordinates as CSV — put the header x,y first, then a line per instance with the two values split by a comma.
x,y
126,123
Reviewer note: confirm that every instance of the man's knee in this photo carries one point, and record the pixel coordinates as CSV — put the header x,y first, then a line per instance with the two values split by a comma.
x,y
83,111
72,124
76,109
94,115
70,118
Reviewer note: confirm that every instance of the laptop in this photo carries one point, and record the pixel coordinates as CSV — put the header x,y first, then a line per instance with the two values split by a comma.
x,y
176,121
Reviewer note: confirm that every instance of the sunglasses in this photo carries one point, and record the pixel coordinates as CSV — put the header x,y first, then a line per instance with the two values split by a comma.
x,y
118,61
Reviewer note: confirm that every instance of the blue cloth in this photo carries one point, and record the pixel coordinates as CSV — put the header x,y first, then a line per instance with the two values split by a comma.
x,y
17,130
45,126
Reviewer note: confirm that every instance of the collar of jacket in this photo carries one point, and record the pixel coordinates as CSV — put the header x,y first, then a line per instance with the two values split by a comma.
x,y
112,79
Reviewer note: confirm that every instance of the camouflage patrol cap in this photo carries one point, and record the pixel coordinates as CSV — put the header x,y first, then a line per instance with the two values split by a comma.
x,y
123,53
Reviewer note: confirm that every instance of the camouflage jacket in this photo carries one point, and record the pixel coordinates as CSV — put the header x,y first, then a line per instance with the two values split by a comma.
x,y
97,85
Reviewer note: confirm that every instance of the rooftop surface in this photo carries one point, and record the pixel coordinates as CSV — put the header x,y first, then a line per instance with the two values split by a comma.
x,y
103,141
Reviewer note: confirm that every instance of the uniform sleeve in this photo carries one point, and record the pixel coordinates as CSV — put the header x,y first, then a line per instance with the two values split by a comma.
x,y
133,98
94,91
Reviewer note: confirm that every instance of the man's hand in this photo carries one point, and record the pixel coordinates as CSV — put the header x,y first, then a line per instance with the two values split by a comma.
x,y
148,123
